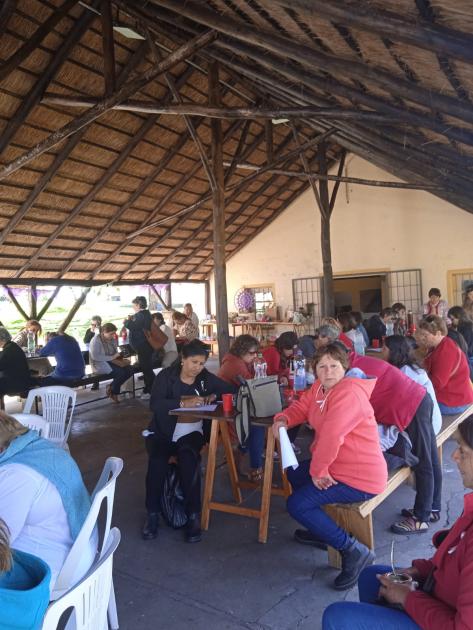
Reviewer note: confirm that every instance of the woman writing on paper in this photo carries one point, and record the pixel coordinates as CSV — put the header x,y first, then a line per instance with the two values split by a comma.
x,y
185,384
347,464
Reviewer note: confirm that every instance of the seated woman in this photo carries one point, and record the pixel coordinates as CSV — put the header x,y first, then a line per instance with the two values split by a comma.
x,y
69,360
351,333
444,598
15,375
43,499
278,357
347,464
21,338
185,329
169,350
239,362
94,328
185,384
24,586
400,318
464,325
191,314
446,365
106,359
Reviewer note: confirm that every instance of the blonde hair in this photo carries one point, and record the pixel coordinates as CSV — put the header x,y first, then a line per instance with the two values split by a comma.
x,y
10,429
433,324
5,553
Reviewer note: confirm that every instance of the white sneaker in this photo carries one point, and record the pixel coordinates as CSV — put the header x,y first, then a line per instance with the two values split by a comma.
x,y
145,396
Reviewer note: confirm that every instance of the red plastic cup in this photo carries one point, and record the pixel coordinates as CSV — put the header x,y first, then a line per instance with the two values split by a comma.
x,y
290,380
227,400
375,343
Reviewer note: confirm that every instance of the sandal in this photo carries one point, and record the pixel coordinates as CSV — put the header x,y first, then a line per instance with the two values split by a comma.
x,y
410,525
256,475
433,518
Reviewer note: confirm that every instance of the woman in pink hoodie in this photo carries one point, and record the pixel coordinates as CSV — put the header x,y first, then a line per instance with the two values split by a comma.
x,y
347,464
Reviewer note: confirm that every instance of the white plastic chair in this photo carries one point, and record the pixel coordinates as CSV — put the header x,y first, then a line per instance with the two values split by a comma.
x,y
103,491
33,421
57,407
89,598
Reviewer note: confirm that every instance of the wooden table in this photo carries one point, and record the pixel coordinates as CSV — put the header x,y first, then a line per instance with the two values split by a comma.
x,y
220,420
208,328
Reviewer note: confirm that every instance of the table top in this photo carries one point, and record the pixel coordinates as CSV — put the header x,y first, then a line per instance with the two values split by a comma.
x,y
218,414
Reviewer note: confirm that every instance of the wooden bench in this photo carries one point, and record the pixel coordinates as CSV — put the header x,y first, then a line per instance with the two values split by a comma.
x,y
356,518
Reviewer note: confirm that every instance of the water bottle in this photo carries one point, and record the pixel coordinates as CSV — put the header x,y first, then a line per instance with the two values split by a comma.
x,y
263,367
30,343
300,379
259,366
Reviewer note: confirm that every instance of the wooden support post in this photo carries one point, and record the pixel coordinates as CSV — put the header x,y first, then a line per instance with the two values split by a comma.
x,y
218,198
76,306
33,301
327,280
208,301
15,302
158,295
108,47
50,300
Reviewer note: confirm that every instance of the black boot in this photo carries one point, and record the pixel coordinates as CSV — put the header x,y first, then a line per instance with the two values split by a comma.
x,y
150,528
193,532
354,559
304,537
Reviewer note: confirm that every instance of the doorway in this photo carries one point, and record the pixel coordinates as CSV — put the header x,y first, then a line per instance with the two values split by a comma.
x,y
359,293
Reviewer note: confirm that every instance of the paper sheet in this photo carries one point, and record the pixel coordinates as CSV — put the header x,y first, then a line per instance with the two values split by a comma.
x,y
201,408
288,457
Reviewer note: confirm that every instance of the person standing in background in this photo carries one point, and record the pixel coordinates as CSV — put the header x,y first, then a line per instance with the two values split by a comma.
x,y
435,305
136,325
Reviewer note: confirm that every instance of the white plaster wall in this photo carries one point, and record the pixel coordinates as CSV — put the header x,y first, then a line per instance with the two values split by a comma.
x,y
372,229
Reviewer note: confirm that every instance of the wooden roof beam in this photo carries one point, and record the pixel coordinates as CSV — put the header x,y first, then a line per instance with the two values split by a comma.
x,y
108,47
33,42
35,94
135,85
6,11
310,58
422,34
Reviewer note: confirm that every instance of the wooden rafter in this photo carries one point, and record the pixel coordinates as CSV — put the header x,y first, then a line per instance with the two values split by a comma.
x,y
108,46
6,11
149,179
135,85
309,58
33,42
18,306
421,34
35,94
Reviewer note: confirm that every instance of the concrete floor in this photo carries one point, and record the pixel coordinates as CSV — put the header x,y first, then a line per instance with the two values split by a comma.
x,y
229,580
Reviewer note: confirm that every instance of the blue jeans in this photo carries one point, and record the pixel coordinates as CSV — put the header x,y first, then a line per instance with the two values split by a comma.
x,y
306,501
451,411
255,446
369,614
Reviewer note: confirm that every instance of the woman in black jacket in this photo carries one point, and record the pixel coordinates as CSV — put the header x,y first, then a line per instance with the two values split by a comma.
x,y
15,375
186,383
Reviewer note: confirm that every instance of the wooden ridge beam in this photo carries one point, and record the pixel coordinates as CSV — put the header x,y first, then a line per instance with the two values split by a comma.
x,y
309,58
33,42
135,85
35,94
149,179
380,22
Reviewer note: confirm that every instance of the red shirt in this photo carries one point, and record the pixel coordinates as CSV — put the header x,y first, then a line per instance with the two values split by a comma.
x,y
450,607
274,362
448,369
232,367
346,443
395,397
346,340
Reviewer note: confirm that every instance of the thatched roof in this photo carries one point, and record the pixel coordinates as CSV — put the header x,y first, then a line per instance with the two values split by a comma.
x,y
402,70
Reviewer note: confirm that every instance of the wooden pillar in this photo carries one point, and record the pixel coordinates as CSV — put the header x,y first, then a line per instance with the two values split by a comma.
x,y
168,296
218,198
208,301
327,280
33,302
76,306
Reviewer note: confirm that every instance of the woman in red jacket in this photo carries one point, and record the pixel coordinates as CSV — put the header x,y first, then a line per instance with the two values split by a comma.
x,y
347,464
446,365
239,363
278,357
443,599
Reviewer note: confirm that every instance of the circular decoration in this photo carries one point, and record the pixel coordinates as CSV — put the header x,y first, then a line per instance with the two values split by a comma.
x,y
244,301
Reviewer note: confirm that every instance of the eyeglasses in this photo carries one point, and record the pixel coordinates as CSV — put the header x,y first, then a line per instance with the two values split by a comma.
x,y
252,351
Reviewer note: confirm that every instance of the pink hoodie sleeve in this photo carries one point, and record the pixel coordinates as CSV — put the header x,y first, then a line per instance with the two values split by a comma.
x,y
297,412
341,417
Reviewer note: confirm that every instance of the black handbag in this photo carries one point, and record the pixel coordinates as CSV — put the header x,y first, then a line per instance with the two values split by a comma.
x,y
173,506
